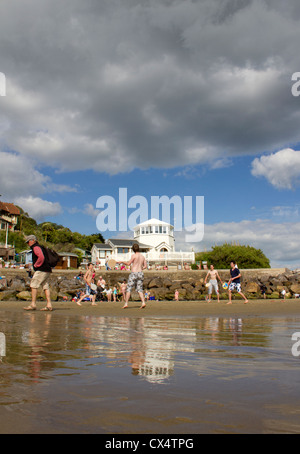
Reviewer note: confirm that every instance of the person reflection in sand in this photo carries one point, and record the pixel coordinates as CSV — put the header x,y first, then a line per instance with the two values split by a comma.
x,y
37,340
137,345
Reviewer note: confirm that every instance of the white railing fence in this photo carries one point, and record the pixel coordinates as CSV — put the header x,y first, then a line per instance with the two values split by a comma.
x,y
159,256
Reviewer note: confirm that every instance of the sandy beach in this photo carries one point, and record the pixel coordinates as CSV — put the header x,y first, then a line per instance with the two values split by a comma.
x,y
168,308
173,367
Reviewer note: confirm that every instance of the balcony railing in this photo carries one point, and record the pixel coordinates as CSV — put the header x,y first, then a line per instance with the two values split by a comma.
x,y
159,256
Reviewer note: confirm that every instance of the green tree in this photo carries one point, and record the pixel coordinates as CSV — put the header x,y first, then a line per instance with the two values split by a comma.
x,y
244,256
51,234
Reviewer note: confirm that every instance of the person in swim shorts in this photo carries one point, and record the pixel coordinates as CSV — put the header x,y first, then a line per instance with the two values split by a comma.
x,y
213,283
235,282
89,293
136,278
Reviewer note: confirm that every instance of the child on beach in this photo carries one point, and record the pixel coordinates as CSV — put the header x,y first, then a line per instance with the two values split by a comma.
x,y
176,295
123,289
108,294
115,294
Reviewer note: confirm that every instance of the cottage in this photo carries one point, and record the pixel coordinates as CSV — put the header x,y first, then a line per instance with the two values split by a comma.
x,y
9,214
67,259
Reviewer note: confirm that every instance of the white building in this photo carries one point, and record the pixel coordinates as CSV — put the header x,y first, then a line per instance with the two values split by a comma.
x,y
156,241
157,234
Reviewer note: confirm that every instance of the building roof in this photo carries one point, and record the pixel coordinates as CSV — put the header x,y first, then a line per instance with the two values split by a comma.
x,y
103,246
67,254
119,242
9,208
152,221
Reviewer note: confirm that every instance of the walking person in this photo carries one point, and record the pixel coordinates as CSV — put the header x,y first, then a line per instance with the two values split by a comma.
x,y
41,276
89,293
213,283
138,264
235,282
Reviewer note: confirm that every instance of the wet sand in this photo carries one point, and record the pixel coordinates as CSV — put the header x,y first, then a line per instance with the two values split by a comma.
x,y
172,368
169,308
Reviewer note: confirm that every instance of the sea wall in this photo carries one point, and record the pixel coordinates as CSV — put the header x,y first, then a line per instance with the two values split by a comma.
x,y
15,284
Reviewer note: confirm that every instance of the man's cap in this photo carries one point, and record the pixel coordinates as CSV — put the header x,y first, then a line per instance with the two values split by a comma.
x,y
30,238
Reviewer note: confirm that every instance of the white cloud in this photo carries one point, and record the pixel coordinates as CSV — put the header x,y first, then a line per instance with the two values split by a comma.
x,y
286,212
281,169
19,177
278,241
38,208
90,210
22,184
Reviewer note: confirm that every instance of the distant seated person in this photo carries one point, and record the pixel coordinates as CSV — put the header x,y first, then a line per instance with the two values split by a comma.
x,y
101,283
79,276
29,270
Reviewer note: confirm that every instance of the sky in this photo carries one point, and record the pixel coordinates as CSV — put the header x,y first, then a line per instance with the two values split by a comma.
x,y
186,98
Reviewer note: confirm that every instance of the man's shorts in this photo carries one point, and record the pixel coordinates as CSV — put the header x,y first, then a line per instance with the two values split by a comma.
x,y
40,278
234,286
88,290
135,280
213,284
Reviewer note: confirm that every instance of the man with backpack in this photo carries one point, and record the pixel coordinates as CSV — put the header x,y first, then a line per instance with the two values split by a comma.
x,y
42,272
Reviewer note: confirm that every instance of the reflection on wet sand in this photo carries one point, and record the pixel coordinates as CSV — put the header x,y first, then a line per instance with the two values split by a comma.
x,y
148,345
229,369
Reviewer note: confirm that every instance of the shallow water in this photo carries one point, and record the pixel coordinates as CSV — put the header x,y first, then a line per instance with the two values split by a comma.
x,y
121,375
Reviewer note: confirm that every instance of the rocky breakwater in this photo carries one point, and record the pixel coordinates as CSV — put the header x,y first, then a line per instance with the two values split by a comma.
x,y
191,286
15,284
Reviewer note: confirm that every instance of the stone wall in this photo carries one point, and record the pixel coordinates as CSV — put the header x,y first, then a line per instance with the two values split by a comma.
x,y
162,284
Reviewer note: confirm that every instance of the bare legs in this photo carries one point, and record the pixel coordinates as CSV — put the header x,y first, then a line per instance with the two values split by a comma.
x,y
32,306
240,293
141,294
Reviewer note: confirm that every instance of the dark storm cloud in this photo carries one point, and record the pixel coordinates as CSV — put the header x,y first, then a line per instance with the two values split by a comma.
x,y
113,85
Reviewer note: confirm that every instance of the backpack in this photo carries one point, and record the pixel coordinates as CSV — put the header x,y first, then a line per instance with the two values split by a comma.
x,y
51,257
